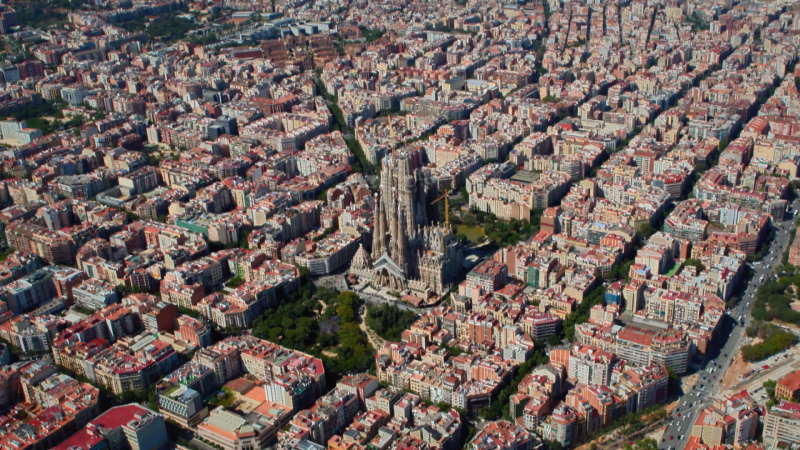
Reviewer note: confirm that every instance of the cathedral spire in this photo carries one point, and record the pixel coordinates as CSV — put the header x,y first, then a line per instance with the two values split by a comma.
x,y
361,260
394,229
379,231
402,242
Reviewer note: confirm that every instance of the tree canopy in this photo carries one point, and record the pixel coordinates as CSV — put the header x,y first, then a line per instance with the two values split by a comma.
x,y
295,324
775,340
388,321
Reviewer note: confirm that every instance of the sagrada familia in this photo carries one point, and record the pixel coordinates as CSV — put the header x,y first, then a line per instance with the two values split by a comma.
x,y
407,253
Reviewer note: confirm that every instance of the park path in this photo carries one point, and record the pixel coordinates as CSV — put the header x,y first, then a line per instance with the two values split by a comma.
x,y
375,341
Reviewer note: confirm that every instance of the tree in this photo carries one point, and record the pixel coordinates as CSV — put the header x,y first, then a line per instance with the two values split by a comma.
x,y
295,324
671,373
454,351
388,321
553,340
235,282
774,344
553,445
243,241
769,387
190,312
581,313
694,263
327,232
75,121
152,400
346,309
500,407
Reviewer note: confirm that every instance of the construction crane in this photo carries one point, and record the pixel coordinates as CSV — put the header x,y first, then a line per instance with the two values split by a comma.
x,y
446,206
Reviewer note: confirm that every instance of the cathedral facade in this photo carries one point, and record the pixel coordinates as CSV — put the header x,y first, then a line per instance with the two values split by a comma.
x,y
407,252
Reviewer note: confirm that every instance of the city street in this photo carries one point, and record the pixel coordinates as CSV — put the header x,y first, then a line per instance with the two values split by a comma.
x,y
721,354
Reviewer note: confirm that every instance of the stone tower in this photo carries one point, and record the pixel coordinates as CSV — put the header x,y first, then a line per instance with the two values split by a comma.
x,y
407,253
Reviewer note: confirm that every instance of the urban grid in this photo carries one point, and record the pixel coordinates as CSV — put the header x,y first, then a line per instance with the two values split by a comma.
x,y
399,224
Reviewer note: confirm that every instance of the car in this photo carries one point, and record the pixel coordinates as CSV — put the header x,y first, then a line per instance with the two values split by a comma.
x,y
670,438
680,438
726,355
714,377
679,414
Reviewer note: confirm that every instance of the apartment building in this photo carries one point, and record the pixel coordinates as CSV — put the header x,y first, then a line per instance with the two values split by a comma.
x,y
585,364
782,425
95,294
642,348
51,246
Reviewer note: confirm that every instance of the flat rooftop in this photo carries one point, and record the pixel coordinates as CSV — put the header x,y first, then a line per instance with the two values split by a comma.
x,y
526,176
